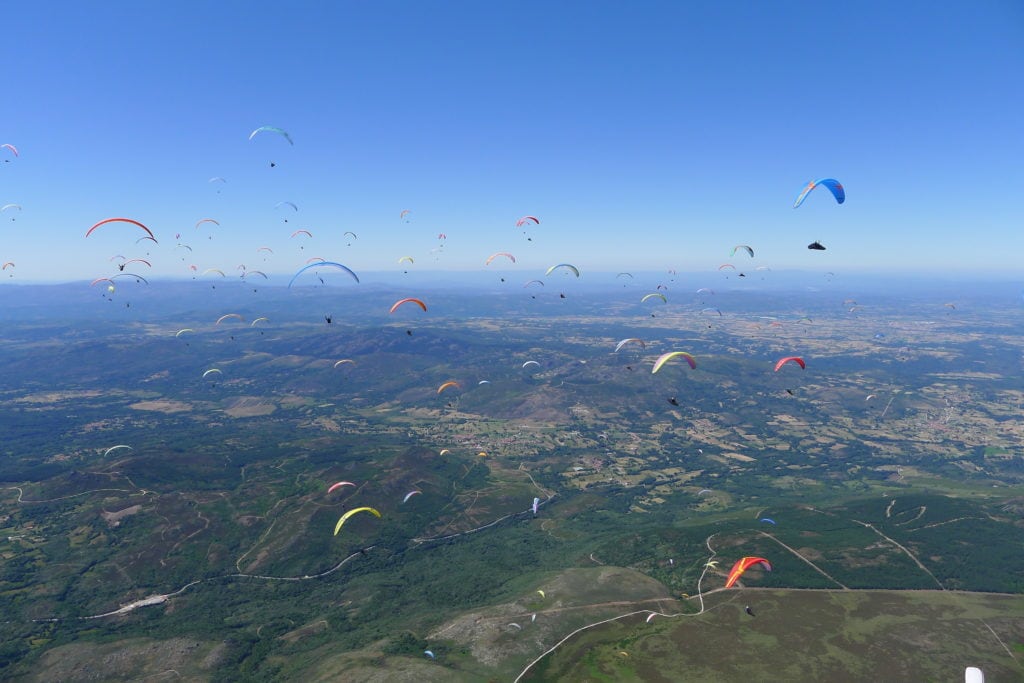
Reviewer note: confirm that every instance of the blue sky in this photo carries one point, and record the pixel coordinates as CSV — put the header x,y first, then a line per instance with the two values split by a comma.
x,y
645,136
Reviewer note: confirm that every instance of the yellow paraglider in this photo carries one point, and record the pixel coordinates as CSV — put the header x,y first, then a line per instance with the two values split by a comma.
x,y
665,357
348,514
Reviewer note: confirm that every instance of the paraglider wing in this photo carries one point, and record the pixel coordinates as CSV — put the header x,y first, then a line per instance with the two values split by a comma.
x,y
531,362
447,385
497,254
768,520
666,357
272,129
410,495
622,343
335,487
788,359
319,264
348,514
211,371
744,247
522,221
569,266
407,301
206,220
831,183
742,565
237,316
536,505
343,361
114,448
11,147
121,220
655,295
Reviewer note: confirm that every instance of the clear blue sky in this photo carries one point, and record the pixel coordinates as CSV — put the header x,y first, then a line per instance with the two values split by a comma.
x,y
644,135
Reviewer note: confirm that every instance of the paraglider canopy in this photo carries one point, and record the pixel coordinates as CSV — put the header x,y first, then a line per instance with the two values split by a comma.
x,y
409,300
791,359
831,183
272,129
348,514
665,357
816,246
742,565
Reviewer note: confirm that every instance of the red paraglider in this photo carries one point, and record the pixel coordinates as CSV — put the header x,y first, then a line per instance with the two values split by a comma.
x,y
791,359
121,220
742,565
407,301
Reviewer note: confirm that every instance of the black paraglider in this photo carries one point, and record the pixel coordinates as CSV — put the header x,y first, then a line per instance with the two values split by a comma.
x,y
816,246
673,401
329,319
749,611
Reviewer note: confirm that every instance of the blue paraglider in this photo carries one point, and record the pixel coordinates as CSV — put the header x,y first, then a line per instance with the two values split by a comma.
x,y
831,183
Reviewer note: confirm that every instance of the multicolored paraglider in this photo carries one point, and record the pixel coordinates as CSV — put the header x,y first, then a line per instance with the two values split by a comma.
x,y
629,340
507,255
666,357
742,565
831,183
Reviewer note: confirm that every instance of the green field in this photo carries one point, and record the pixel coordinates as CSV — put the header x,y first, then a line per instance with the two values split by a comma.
x,y
206,547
